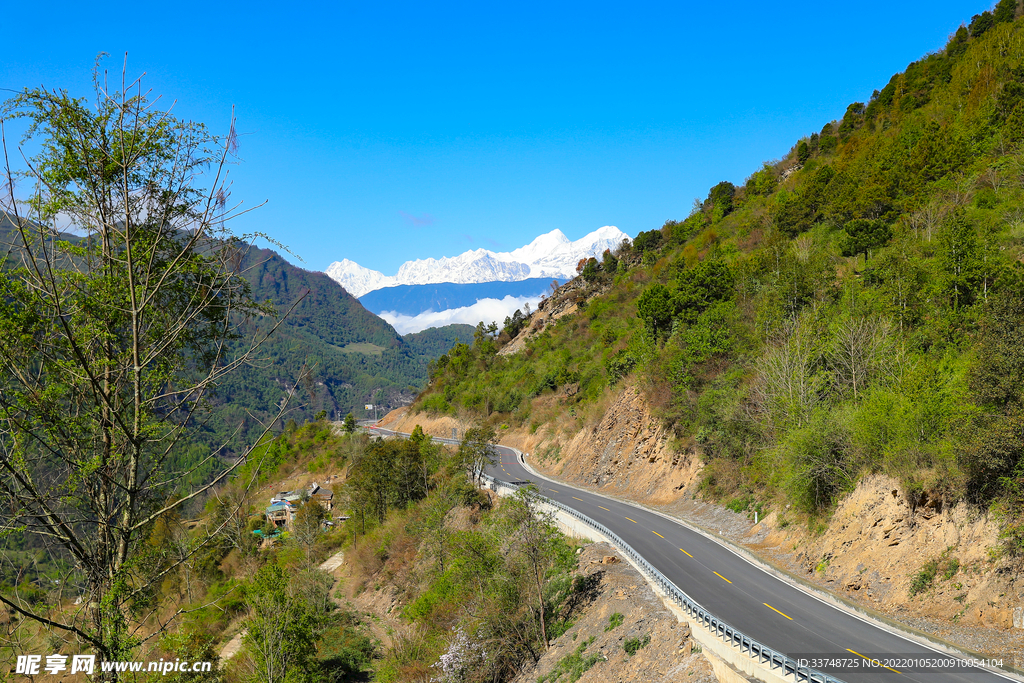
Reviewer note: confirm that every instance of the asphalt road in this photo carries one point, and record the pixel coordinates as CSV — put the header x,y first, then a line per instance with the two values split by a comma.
x,y
764,607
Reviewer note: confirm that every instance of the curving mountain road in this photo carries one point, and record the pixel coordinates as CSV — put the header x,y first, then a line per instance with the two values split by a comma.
x,y
766,608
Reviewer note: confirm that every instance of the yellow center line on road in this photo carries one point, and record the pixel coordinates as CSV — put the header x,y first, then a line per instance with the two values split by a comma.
x,y
555,490
775,610
656,533
579,499
632,520
687,554
721,577
604,508
873,661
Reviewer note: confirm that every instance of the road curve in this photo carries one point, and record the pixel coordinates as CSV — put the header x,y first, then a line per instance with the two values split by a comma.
x,y
742,594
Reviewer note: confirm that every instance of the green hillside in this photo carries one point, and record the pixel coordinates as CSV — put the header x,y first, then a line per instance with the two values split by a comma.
x,y
856,306
334,354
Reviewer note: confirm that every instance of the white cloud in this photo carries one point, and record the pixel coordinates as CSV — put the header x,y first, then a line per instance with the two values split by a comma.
x,y
488,310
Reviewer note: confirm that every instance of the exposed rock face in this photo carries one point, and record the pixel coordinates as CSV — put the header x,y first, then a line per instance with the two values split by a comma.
x,y
877,542
626,453
562,302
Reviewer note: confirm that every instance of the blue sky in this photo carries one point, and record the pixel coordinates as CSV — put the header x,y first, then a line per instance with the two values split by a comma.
x,y
383,132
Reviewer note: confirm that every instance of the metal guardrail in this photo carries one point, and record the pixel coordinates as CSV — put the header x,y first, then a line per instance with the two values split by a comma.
x,y
755,650
763,654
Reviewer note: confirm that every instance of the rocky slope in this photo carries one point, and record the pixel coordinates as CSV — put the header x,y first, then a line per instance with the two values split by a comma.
x,y
625,612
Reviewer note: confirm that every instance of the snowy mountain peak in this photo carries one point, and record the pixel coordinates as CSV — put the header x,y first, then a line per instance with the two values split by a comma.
x,y
540,246
356,279
549,255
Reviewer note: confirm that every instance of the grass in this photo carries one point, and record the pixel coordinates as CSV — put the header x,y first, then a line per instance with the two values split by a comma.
x,y
364,348
634,645
740,504
923,579
948,567
573,665
614,621
559,628
951,568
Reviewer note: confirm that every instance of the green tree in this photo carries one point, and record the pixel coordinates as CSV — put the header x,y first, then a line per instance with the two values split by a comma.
x,y
997,377
863,235
646,241
1005,11
852,117
281,630
534,537
477,451
349,425
514,323
803,152
371,478
901,278
418,436
609,263
437,533
762,182
386,475
960,260
699,287
112,339
958,43
307,529
980,24
431,454
720,198
656,308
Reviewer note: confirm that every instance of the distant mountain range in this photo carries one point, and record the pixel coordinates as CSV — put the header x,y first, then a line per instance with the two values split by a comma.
x,y
443,296
551,255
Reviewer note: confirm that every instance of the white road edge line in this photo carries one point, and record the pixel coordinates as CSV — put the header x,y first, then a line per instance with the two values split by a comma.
x,y
785,578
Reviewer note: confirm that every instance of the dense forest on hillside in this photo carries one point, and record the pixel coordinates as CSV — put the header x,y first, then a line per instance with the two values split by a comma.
x,y
329,353
856,306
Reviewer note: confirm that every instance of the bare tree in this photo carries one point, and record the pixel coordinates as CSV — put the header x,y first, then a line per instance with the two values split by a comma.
x,y
861,352
532,535
307,529
929,217
121,305
789,384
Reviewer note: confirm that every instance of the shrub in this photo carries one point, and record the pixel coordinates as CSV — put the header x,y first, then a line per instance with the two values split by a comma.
x,y
951,568
614,621
634,645
923,579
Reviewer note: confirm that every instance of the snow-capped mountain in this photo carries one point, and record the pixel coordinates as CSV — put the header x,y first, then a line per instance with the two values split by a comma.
x,y
356,279
550,255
